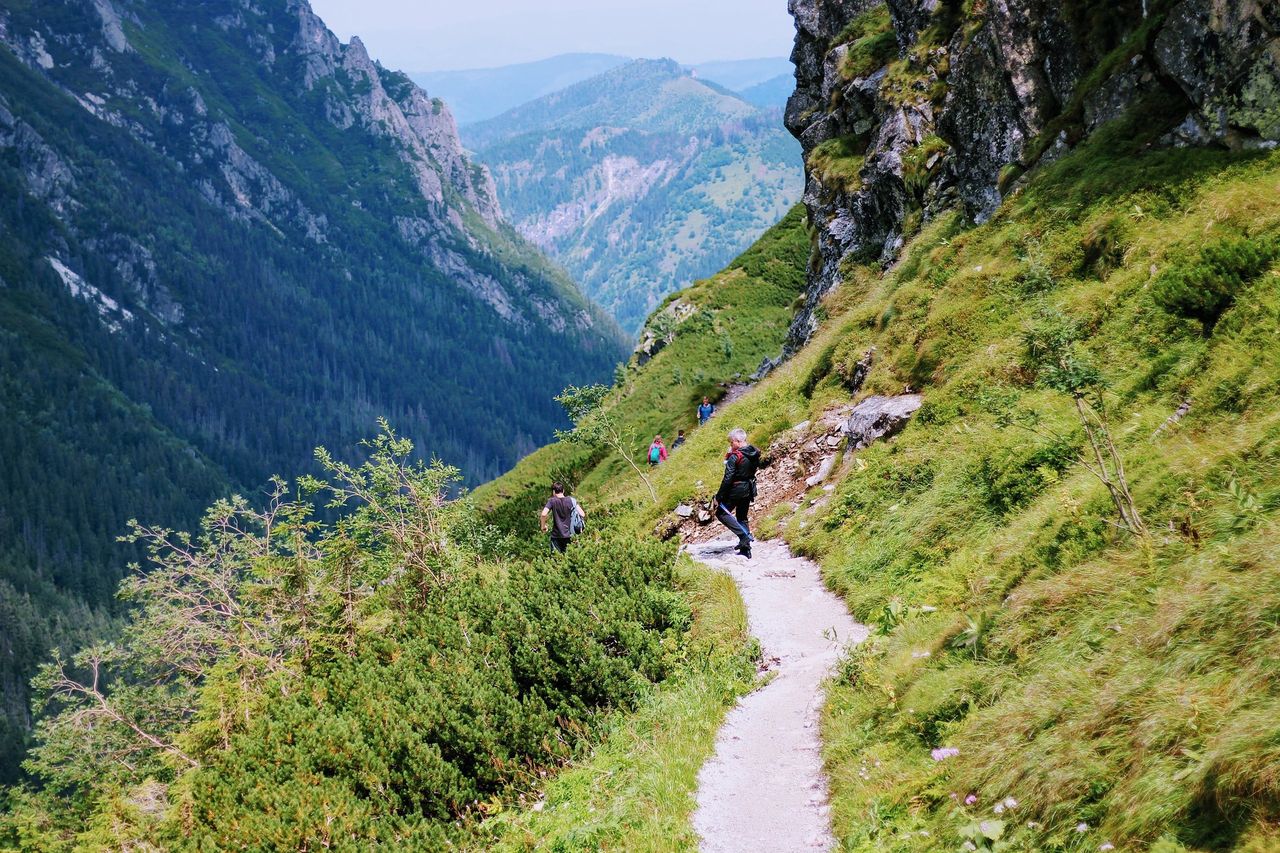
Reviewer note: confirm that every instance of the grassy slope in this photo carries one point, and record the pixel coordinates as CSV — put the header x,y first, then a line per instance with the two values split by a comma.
x,y
1099,682
1124,688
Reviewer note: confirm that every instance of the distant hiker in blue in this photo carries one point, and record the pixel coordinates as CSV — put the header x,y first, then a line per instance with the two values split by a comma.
x,y
679,440
738,489
705,411
568,518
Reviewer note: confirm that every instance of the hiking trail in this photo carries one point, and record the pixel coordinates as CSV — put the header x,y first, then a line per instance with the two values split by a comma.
x,y
764,789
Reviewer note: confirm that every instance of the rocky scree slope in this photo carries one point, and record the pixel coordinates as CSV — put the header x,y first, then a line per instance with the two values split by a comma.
x,y
908,108
228,238
641,179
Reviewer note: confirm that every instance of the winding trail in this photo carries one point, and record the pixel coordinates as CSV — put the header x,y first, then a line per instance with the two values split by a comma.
x,y
764,790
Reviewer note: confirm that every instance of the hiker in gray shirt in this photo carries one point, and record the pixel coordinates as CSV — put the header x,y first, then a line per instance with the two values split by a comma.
x,y
567,518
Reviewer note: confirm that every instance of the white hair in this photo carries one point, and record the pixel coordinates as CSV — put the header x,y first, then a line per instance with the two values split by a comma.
x,y
737,434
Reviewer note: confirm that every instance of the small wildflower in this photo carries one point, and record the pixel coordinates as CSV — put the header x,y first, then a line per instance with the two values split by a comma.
x,y
971,799
1107,845
1031,824
968,845
927,608
1082,827
953,795
944,752
1010,803
999,809
923,654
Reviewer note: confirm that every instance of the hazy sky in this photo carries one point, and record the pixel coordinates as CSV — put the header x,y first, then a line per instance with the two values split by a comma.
x,y
437,35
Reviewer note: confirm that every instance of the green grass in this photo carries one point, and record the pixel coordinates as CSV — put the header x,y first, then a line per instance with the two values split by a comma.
x,y
871,42
741,317
1127,685
838,162
636,791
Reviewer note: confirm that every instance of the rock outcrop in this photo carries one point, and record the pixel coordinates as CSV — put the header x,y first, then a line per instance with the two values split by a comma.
x,y
879,417
907,108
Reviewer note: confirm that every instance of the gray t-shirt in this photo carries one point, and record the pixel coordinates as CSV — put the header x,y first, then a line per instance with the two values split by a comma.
x,y
561,516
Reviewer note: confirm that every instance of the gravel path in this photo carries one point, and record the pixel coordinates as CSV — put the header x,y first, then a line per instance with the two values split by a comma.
x,y
764,790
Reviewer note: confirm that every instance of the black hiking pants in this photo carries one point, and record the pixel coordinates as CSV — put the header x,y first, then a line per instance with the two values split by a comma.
x,y
732,513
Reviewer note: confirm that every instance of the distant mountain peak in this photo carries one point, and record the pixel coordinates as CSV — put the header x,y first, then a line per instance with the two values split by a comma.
x,y
656,95
641,178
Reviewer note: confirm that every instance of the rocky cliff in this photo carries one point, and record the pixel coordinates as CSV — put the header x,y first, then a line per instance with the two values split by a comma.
x,y
907,108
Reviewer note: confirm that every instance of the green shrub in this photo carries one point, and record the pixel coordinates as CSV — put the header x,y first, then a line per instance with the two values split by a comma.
x,y
462,698
1204,287
1010,479
359,681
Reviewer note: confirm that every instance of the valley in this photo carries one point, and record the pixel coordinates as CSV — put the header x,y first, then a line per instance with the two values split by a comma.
x,y
1012,363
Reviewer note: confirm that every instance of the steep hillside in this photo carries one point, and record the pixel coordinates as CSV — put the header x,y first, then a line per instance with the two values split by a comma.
x,y
907,109
1060,660
481,93
640,180
229,238
1068,555
1038,674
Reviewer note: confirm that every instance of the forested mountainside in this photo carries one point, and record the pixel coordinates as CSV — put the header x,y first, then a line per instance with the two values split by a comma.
x,y
640,180
228,238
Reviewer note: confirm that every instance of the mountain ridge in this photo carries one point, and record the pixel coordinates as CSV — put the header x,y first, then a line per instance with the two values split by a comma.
x,y
477,94
639,180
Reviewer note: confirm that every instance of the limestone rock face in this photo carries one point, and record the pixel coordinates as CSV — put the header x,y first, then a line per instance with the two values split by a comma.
x,y
974,95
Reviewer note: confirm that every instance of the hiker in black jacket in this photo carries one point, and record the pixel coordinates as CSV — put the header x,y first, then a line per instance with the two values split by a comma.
x,y
738,489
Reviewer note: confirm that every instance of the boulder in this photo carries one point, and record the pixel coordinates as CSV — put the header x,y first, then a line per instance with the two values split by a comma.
x,y
880,417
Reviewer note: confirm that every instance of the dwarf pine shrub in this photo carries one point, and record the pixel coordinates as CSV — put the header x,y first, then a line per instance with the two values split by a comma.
x,y
370,675
1204,287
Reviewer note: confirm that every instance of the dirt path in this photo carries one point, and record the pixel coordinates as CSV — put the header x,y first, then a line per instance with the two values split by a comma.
x,y
764,790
